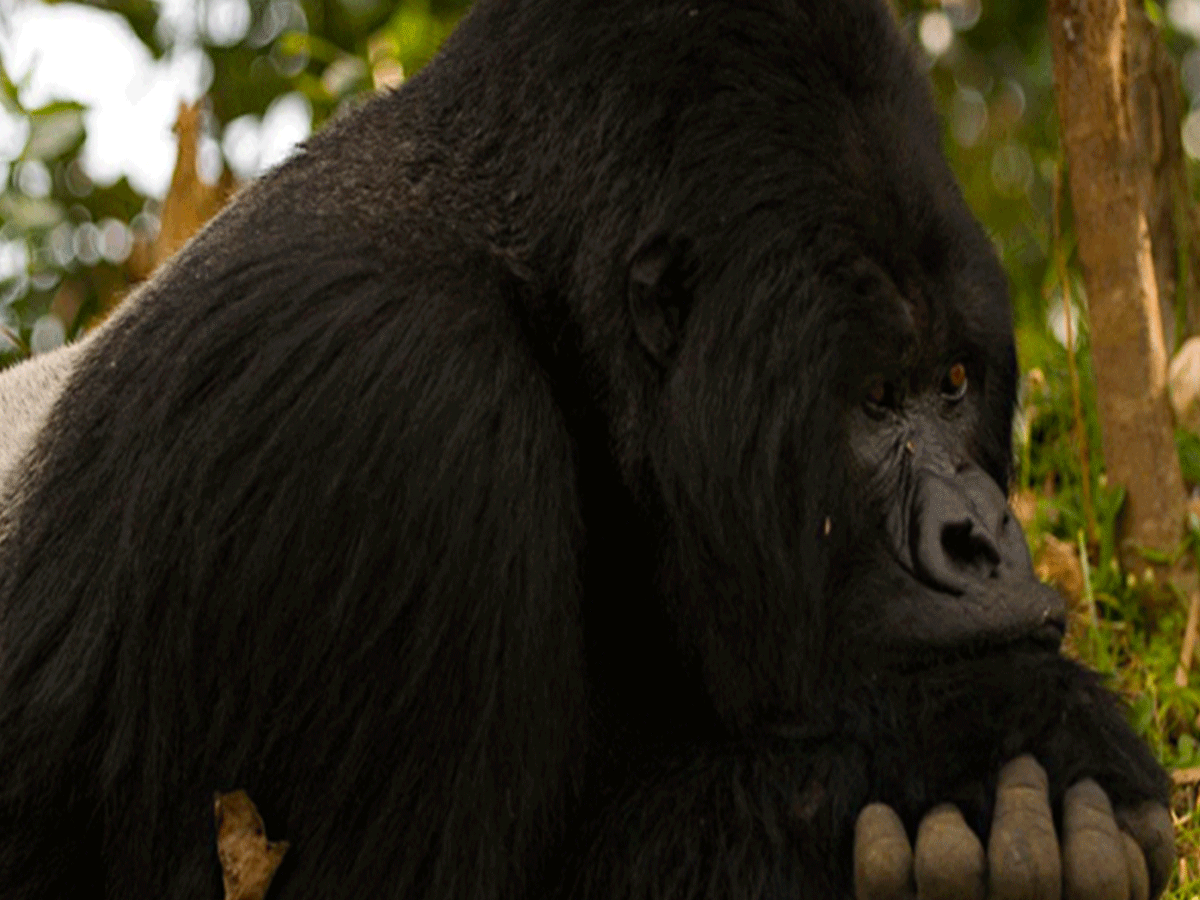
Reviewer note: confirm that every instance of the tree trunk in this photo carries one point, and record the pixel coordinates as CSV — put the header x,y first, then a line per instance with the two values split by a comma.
x,y
1110,156
1157,110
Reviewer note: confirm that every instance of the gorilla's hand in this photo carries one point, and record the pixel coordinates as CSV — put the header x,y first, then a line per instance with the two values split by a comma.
x,y
1103,856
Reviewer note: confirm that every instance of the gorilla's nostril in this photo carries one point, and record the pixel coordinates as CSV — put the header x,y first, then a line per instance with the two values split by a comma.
x,y
968,545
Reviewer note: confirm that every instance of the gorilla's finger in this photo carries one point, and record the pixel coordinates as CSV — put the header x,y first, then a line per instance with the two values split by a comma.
x,y
1023,861
1135,864
882,855
1094,866
1150,825
949,863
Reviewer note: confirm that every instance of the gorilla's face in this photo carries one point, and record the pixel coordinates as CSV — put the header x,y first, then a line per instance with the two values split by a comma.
x,y
834,463
948,558
833,438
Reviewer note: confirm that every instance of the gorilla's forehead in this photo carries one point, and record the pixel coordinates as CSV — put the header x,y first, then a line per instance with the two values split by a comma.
x,y
817,130
897,265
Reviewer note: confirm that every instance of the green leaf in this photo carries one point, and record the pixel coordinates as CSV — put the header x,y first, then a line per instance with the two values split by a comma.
x,y
54,130
1188,446
294,43
1186,751
29,212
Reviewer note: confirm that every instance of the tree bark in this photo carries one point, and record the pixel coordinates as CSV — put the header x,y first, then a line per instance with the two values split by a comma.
x,y
1157,106
1099,79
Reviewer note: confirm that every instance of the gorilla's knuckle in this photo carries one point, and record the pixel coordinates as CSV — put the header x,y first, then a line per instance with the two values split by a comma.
x,y
883,869
1136,867
1148,827
1024,775
1096,871
1025,804
1022,866
944,836
1086,797
949,863
950,884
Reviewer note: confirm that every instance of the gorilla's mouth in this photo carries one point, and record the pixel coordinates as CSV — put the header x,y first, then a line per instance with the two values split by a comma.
x,y
997,613
1050,635
1043,640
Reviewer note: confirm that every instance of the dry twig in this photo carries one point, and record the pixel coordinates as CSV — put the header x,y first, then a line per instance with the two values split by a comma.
x,y
1189,641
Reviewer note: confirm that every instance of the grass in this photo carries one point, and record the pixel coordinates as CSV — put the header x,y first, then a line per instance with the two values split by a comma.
x,y
1127,624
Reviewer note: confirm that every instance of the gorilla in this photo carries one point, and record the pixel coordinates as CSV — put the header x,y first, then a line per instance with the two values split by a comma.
x,y
579,473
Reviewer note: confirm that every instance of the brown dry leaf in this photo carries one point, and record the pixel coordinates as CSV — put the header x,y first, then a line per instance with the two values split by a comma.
x,y
1057,564
1023,504
1186,776
248,859
189,202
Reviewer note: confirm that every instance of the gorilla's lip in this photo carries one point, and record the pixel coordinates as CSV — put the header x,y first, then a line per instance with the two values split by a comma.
x,y
914,658
932,626
1050,635
994,610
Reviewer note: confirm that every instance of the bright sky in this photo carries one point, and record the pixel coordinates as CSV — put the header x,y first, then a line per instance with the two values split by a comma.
x,y
73,52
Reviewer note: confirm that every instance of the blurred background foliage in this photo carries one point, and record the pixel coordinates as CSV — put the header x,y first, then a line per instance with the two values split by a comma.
x,y
989,62
71,246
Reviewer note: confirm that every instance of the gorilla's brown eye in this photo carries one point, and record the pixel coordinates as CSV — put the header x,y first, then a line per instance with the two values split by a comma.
x,y
954,383
881,393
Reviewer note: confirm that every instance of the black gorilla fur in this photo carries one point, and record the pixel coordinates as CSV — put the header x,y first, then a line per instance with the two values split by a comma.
x,y
385,502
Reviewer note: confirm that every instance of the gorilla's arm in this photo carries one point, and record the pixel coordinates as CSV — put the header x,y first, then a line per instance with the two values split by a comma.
x,y
756,819
929,753
943,733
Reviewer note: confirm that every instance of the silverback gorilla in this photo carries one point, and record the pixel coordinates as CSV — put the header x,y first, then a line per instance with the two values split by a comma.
x,y
579,473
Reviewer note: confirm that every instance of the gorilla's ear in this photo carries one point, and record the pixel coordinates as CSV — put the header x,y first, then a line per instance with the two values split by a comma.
x,y
660,294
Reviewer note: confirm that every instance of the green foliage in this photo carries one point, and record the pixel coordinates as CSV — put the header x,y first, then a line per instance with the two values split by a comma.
x,y
1129,625
331,51
1139,622
1188,445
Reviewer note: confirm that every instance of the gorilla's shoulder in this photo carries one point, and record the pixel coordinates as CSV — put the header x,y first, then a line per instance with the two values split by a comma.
x,y
27,393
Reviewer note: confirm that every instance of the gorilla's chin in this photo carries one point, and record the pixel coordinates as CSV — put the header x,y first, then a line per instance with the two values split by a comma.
x,y
995,615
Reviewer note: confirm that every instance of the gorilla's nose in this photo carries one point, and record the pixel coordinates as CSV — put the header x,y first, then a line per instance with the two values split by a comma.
x,y
967,545
963,532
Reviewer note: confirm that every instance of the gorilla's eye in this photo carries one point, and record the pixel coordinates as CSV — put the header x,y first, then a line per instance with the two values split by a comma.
x,y
881,393
954,382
